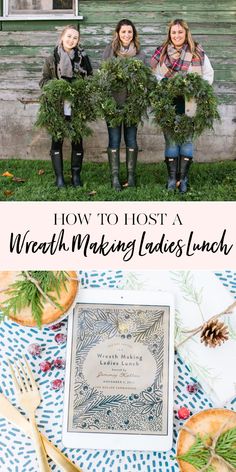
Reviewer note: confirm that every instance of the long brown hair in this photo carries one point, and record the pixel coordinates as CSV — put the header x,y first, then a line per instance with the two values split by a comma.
x,y
116,44
189,39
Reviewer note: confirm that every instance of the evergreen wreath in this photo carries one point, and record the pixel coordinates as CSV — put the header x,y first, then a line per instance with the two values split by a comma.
x,y
182,127
51,110
128,77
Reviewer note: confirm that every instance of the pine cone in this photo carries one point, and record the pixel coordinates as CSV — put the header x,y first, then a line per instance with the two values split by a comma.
x,y
214,333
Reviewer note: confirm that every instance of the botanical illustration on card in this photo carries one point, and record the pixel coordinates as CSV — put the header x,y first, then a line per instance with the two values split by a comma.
x,y
119,369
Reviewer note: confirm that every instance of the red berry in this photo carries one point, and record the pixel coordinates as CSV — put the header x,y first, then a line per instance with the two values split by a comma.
x,y
57,384
183,413
45,366
59,363
60,338
192,388
56,326
35,349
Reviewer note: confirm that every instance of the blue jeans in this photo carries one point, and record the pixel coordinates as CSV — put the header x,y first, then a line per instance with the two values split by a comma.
x,y
130,136
175,150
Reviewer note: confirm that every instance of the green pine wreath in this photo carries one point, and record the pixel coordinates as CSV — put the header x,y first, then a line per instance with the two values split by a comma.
x,y
182,127
51,110
122,76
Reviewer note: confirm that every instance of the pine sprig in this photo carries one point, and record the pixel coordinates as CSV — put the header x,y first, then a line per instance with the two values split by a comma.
x,y
226,446
25,293
199,453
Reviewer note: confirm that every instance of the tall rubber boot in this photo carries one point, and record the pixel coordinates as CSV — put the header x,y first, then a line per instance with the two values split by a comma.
x,y
76,166
57,164
131,161
114,161
185,163
172,164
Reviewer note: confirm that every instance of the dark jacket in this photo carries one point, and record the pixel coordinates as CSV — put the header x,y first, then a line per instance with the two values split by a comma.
x,y
50,66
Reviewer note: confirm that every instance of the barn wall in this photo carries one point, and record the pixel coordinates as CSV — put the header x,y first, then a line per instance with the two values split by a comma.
x,y
25,44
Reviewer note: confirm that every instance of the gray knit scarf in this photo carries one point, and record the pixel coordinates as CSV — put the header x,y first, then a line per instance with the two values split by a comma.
x,y
64,67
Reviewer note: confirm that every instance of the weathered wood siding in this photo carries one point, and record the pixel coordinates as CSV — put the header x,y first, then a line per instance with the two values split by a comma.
x,y
24,44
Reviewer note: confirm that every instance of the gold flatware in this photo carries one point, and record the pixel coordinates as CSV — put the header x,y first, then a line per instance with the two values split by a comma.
x,y
11,414
28,396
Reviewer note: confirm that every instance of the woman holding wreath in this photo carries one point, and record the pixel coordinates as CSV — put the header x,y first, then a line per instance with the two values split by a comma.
x,y
179,54
125,44
68,62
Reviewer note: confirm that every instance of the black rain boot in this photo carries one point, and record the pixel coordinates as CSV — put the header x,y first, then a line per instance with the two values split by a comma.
x,y
185,163
171,163
57,163
114,161
76,166
131,161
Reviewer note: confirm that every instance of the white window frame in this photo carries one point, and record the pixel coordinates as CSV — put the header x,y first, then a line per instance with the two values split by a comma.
x,y
46,16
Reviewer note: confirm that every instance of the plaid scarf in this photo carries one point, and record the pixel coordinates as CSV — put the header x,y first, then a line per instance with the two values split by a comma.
x,y
175,61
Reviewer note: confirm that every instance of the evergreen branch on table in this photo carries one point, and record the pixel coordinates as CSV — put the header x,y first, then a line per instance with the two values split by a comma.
x,y
198,455
226,446
200,452
25,293
185,281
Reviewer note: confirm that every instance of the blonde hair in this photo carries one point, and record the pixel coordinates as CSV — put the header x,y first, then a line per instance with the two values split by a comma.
x,y
116,44
189,39
63,31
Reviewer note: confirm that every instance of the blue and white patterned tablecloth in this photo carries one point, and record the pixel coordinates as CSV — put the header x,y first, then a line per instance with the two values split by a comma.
x,y
17,452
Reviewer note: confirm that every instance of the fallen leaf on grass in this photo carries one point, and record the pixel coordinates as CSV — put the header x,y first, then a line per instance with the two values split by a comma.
x,y
8,193
92,193
41,171
18,179
7,174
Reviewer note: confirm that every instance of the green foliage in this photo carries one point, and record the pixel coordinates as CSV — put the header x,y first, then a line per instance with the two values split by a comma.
x,y
128,77
51,111
226,446
183,127
24,293
199,453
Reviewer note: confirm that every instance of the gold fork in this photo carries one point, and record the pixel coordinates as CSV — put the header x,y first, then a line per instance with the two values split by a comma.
x,y
28,396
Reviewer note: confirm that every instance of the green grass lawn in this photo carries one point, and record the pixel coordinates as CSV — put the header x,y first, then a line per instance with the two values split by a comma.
x,y
213,181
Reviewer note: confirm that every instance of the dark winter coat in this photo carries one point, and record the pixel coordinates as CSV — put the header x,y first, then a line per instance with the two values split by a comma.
x,y
50,66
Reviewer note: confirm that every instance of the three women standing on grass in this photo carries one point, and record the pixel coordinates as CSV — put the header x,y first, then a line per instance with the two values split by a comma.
x,y
68,62
179,54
